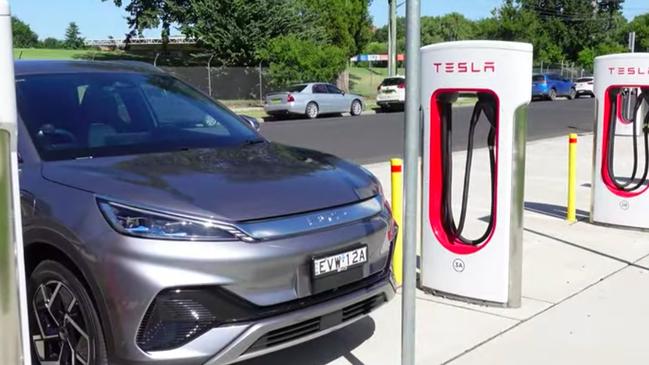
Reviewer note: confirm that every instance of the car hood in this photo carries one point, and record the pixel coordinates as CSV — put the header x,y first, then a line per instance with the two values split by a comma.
x,y
232,184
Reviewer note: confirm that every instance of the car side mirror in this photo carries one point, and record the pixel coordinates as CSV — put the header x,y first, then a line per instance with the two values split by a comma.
x,y
253,122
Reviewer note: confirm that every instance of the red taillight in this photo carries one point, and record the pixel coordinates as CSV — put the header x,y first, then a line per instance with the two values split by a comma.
x,y
402,85
290,98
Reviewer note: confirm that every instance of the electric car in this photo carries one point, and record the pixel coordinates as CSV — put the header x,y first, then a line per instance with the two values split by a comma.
x,y
584,86
161,228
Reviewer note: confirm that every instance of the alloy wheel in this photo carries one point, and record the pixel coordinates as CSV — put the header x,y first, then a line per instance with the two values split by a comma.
x,y
357,108
61,337
312,110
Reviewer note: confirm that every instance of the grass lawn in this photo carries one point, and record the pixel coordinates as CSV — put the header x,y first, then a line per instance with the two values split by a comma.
x,y
70,54
49,54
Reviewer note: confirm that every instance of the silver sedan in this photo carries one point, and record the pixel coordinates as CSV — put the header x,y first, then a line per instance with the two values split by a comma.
x,y
312,100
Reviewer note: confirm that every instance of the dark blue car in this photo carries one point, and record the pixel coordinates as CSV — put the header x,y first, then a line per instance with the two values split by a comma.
x,y
551,86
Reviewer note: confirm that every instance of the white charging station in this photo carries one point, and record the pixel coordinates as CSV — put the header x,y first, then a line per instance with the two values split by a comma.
x,y
620,162
486,269
14,330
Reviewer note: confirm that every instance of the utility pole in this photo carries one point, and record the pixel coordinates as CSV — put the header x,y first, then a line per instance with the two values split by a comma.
x,y
392,38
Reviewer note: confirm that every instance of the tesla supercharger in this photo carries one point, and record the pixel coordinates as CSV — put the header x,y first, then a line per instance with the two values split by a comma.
x,y
625,111
621,162
494,78
14,341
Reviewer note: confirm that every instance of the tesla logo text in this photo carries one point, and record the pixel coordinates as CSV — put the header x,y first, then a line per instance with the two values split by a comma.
x,y
628,70
464,67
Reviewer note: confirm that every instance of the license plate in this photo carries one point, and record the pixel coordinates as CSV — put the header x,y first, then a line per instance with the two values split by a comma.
x,y
339,262
276,101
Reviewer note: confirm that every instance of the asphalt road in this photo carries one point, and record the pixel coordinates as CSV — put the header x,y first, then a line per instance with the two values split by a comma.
x,y
379,137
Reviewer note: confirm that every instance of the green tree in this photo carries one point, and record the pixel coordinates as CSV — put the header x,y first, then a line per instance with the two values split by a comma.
x,y
294,60
237,30
52,43
23,36
73,37
345,23
640,25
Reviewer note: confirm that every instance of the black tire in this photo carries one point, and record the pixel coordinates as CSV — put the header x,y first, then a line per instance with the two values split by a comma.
x,y
70,305
311,111
553,95
356,108
572,95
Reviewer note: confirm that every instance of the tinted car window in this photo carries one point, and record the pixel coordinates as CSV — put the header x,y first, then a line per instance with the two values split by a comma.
x,y
319,89
333,90
538,78
296,88
393,81
99,114
585,79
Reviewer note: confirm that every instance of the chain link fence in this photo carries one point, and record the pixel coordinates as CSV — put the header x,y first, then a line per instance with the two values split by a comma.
x,y
568,70
226,83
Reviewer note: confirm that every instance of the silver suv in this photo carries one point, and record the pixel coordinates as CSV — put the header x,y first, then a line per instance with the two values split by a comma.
x,y
162,228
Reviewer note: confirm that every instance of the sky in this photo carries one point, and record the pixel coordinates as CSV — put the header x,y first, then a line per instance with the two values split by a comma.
x,y
99,19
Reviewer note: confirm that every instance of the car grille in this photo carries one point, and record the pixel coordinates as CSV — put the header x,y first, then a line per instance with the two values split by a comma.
x,y
314,325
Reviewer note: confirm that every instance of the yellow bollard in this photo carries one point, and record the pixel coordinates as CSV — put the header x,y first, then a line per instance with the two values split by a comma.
x,y
397,211
571,215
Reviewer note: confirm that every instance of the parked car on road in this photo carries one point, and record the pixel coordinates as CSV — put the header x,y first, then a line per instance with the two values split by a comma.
x,y
584,86
392,93
551,86
312,100
161,228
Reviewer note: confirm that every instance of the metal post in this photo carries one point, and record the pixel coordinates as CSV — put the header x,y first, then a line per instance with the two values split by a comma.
x,y
561,68
571,210
209,75
261,85
14,332
411,177
396,172
392,42
541,67
632,42
155,60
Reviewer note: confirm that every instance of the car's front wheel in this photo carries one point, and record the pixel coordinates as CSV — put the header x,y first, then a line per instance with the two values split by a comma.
x,y
64,326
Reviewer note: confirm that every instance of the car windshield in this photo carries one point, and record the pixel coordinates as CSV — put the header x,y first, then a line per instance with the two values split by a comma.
x,y
585,79
83,115
393,81
296,88
538,78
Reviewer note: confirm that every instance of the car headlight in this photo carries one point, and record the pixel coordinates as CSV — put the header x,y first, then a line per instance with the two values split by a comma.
x,y
145,223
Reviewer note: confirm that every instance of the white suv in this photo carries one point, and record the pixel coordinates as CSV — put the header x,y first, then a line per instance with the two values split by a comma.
x,y
584,86
392,93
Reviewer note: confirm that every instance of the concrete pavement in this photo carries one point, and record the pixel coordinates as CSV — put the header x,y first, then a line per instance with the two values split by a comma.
x,y
585,289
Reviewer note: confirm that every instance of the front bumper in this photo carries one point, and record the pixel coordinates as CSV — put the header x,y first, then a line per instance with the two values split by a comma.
x,y
292,328
132,273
